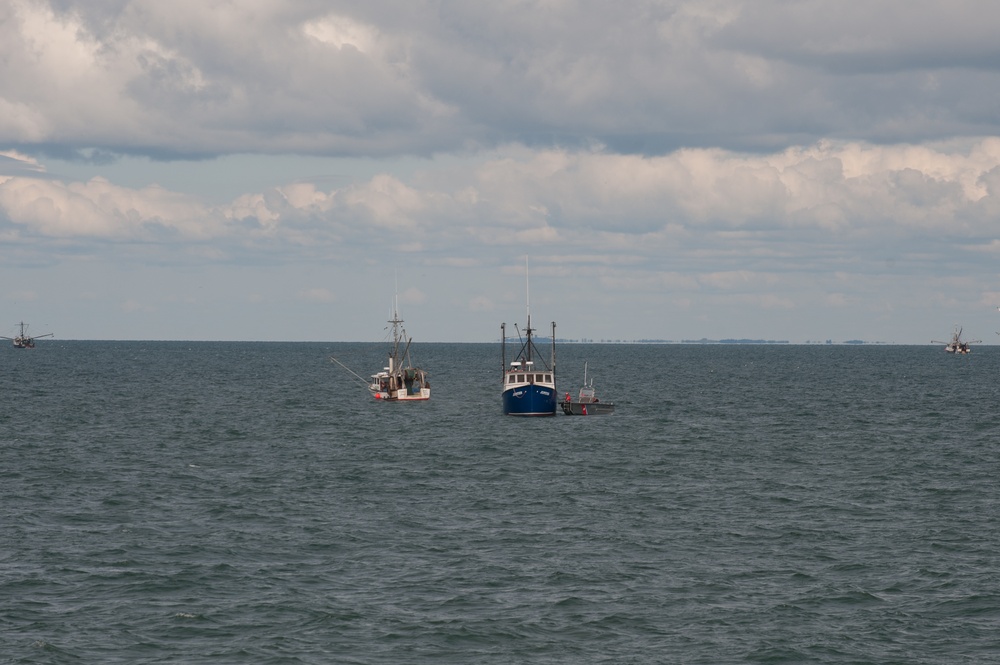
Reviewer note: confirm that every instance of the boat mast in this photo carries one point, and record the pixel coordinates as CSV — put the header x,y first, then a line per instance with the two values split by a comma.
x,y
395,321
527,306
503,353
553,350
394,356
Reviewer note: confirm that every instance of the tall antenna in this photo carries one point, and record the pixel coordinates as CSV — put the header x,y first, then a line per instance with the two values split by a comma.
x,y
527,291
395,294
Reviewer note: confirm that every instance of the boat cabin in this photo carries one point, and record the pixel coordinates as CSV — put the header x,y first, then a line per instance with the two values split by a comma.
x,y
523,372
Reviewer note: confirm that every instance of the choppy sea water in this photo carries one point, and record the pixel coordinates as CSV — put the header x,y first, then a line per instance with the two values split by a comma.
x,y
249,503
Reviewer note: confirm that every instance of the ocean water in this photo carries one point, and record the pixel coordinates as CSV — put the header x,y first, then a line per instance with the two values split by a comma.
x,y
249,503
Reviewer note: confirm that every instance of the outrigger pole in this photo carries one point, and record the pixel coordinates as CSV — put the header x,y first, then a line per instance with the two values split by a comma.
x,y
351,371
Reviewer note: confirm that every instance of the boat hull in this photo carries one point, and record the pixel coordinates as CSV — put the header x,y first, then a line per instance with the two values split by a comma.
x,y
587,409
406,385
402,395
529,400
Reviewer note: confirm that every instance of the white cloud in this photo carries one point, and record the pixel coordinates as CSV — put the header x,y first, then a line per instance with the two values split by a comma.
x,y
99,209
12,162
699,203
342,32
146,77
412,295
318,294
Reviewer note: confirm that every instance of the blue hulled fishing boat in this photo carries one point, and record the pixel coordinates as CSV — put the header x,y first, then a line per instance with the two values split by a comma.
x,y
529,389
529,383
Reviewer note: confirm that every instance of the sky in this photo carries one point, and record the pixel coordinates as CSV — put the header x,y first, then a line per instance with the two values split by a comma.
x,y
801,170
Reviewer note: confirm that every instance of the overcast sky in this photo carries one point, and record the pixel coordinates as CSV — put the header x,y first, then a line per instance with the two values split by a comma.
x,y
277,169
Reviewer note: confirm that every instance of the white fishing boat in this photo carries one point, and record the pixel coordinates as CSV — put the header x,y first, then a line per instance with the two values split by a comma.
x,y
23,340
399,381
957,345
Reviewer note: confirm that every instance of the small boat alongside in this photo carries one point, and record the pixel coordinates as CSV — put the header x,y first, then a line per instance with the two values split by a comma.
x,y
23,340
587,403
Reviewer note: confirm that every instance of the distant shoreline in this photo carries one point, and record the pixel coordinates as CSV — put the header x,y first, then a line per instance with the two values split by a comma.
x,y
649,342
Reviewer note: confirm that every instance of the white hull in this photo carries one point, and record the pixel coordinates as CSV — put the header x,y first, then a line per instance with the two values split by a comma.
x,y
403,396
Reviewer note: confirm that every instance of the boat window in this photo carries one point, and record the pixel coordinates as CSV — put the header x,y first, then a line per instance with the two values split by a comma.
x,y
511,379
538,378
548,378
520,378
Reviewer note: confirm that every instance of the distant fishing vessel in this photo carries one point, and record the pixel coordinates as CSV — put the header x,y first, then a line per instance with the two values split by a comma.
x,y
400,381
957,344
528,389
587,403
23,340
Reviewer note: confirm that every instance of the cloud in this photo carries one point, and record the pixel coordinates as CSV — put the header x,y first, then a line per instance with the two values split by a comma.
x,y
801,207
673,155
412,296
14,163
319,295
170,80
20,295
50,208
342,32
870,38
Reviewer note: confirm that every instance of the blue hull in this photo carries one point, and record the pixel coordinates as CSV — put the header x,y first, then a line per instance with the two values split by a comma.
x,y
530,400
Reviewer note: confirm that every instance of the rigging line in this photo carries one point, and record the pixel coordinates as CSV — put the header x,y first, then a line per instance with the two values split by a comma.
x,y
350,371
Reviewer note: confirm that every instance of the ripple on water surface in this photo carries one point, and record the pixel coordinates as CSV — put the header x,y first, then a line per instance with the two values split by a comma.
x,y
238,502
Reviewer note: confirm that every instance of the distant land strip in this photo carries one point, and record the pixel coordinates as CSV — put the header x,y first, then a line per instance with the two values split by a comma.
x,y
703,340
